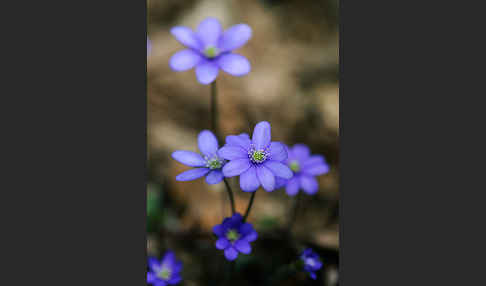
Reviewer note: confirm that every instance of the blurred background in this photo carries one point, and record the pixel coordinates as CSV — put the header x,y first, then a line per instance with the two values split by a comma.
x,y
293,85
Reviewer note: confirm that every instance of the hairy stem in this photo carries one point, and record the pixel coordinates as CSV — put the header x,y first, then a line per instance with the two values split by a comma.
x,y
293,212
230,195
250,204
214,109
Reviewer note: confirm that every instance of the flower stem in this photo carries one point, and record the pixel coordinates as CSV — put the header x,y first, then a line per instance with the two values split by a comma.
x,y
214,127
249,206
230,195
293,212
214,109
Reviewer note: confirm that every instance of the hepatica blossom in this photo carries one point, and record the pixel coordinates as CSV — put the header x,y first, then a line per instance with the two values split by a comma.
x,y
208,164
210,49
305,167
257,161
234,236
312,262
164,272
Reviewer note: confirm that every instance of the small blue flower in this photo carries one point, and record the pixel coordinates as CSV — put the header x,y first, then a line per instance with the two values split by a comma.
x,y
164,272
312,262
210,49
305,167
257,161
209,164
234,236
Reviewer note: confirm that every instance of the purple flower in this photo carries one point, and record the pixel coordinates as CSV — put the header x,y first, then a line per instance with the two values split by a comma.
x,y
234,236
312,262
209,164
164,272
210,49
305,167
257,161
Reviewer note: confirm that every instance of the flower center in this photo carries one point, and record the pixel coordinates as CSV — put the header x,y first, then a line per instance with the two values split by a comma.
x,y
311,262
214,163
164,273
294,166
211,52
258,156
232,235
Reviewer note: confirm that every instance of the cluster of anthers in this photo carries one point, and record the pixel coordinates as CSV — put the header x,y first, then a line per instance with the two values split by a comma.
x,y
214,162
258,156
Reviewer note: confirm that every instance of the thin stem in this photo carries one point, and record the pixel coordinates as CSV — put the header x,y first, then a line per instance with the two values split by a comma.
x,y
230,195
214,109
293,212
249,206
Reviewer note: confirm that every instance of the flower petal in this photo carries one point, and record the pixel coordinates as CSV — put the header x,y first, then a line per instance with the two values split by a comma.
x,y
239,140
159,282
249,181
186,36
206,72
246,228
309,184
279,169
222,243
218,230
209,31
230,253
301,152
154,264
174,280
214,177
243,246
266,178
184,60
248,232
278,151
177,266
234,64
192,174
236,167
232,153
207,143
261,135
312,275
236,218
169,260
292,187
312,160
244,136
316,169
280,182
150,277
189,158
235,37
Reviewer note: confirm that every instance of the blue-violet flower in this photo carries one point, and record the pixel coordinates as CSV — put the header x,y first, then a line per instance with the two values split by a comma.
x,y
305,167
257,161
234,236
210,49
164,272
209,164
312,262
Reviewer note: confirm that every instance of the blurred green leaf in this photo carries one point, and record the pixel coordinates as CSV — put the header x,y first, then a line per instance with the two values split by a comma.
x,y
154,207
267,223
